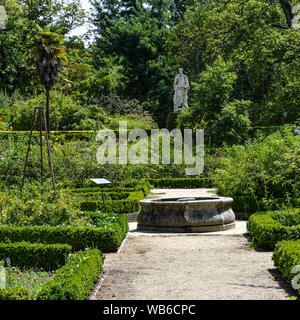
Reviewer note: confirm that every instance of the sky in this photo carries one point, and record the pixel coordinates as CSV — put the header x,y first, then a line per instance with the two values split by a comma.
x,y
81,30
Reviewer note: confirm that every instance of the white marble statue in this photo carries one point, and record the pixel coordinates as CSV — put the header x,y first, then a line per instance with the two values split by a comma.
x,y
181,87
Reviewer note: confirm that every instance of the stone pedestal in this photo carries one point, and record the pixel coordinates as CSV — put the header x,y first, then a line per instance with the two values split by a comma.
x,y
171,121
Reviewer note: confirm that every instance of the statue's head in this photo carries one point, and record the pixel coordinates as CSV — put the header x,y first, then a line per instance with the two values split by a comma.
x,y
180,70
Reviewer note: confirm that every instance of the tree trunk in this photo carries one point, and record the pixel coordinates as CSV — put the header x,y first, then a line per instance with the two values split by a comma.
x,y
287,9
47,110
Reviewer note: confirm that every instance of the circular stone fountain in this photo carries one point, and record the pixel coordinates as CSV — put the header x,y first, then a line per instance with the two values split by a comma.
x,y
199,214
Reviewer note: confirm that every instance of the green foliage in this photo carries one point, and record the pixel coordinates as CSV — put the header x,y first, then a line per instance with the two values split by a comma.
x,y
15,294
39,206
22,29
265,168
101,219
211,108
76,279
138,38
268,228
252,204
106,195
65,114
115,206
286,256
231,125
98,190
181,183
106,238
262,54
37,255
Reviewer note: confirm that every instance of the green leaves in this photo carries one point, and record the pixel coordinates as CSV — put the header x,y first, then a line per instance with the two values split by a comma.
x,y
75,280
24,254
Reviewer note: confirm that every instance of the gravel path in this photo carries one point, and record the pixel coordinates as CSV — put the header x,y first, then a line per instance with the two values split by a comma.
x,y
191,268
200,267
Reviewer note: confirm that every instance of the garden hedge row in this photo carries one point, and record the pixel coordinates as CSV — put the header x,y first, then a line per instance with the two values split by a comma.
x,y
181,183
106,238
106,195
286,256
268,228
24,254
111,206
98,190
251,205
76,279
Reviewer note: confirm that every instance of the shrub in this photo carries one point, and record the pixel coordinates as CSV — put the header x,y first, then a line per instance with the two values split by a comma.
x,y
98,195
252,204
76,279
286,256
98,190
23,254
266,168
15,294
39,205
101,219
136,195
106,238
115,206
268,228
65,114
181,183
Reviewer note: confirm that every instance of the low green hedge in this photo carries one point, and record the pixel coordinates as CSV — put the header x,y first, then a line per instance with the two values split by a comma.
x,y
24,254
76,279
106,195
106,238
136,195
250,204
98,190
112,206
144,186
286,256
181,183
268,228
59,136
15,294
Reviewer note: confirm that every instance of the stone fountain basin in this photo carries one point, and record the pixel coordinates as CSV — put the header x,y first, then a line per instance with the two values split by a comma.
x,y
195,214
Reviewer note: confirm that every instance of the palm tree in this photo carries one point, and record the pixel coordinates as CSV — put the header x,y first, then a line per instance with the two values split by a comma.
x,y
49,56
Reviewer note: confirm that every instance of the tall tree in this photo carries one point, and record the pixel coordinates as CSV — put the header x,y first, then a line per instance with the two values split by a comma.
x,y
25,18
136,31
49,54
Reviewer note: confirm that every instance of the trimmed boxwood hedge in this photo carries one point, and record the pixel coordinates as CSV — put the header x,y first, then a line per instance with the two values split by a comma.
x,y
268,228
106,238
251,205
286,256
76,279
181,183
107,195
98,190
46,256
112,206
